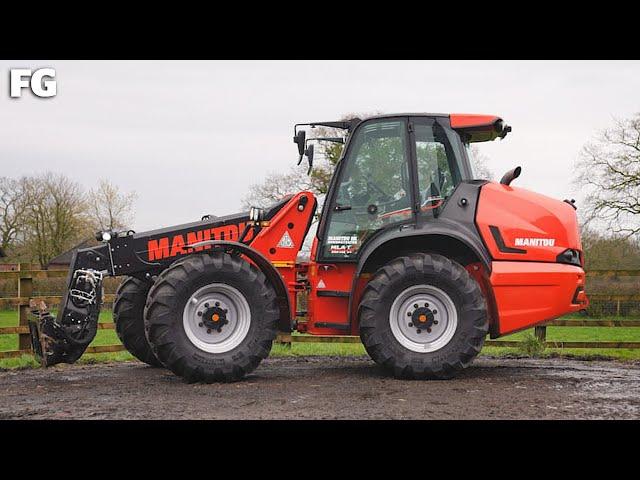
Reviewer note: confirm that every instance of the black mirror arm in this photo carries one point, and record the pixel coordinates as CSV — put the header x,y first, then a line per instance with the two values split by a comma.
x,y
309,154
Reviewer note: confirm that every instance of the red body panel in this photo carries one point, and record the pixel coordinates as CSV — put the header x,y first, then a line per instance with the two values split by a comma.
x,y
279,250
329,277
527,293
470,120
522,214
530,287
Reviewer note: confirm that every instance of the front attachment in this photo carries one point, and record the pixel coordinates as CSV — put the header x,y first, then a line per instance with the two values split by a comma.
x,y
65,338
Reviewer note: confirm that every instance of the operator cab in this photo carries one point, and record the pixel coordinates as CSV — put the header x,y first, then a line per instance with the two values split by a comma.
x,y
395,170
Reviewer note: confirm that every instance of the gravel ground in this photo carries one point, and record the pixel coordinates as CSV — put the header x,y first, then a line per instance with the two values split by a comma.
x,y
328,388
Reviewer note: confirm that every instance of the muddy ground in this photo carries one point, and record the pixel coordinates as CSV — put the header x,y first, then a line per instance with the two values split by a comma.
x,y
328,388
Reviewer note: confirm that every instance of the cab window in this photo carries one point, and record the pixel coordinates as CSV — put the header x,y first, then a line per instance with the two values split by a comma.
x,y
439,167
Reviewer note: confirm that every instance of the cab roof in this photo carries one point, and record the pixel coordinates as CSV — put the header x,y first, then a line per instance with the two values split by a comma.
x,y
458,120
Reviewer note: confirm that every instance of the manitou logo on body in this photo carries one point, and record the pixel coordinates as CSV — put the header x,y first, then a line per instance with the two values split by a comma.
x,y
41,82
167,247
535,242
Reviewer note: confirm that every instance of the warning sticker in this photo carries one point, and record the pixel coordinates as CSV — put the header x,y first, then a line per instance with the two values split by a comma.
x,y
321,284
285,241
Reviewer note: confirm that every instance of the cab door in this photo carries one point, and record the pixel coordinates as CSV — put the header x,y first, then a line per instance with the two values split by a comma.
x,y
439,160
373,190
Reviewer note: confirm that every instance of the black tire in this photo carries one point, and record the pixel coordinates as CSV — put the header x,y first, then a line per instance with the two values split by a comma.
x,y
388,284
164,317
128,315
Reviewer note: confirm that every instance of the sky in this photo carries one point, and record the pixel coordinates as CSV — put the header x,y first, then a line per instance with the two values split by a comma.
x,y
190,137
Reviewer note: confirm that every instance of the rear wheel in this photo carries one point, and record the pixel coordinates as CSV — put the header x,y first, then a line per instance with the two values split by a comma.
x,y
211,317
128,315
423,316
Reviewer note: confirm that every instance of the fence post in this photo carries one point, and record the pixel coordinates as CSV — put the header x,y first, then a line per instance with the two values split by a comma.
x,y
541,333
284,339
25,289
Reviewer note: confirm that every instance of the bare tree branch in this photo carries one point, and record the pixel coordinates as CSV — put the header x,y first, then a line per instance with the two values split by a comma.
x,y
12,207
608,174
55,216
109,208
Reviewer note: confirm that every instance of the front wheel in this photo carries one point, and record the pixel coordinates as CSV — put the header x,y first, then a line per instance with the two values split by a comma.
x,y
423,316
211,317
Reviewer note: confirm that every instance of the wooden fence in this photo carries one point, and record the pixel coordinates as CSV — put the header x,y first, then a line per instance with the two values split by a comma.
x,y
24,277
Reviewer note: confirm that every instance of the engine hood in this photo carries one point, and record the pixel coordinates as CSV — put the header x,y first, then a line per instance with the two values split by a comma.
x,y
518,224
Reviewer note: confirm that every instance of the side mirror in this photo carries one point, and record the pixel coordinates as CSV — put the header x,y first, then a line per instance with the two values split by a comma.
x,y
510,176
309,154
299,139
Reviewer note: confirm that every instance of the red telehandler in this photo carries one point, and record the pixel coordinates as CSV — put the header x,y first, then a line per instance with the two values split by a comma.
x,y
411,253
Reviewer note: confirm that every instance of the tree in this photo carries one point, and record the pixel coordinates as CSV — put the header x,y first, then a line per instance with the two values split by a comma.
x,y
55,217
610,252
275,186
608,173
479,163
110,209
12,207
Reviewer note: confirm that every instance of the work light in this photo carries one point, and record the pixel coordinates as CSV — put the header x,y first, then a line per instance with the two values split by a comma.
x,y
256,214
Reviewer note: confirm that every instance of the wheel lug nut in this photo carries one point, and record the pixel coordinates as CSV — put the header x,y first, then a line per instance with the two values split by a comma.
x,y
208,330
435,322
426,305
217,304
418,331
428,330
434,311
199,314
415,305
200,324
409,314
410,324
206,305
219,330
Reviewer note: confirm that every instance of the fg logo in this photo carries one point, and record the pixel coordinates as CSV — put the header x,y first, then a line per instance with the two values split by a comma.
x,y
41,82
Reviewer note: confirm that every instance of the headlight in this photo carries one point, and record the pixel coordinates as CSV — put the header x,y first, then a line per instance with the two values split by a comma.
x,y
103,236
256,214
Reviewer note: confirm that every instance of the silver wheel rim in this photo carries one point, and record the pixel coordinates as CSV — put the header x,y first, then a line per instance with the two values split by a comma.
x,y
207,337
441,322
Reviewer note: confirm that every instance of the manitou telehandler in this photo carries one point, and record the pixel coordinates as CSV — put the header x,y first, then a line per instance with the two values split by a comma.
x,y
411,253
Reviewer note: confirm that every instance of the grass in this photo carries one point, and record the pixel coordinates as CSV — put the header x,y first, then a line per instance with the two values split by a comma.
x,y
530,346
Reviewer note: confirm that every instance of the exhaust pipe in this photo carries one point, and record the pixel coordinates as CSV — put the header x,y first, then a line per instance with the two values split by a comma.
x,y
510,176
